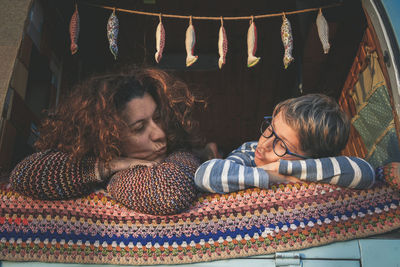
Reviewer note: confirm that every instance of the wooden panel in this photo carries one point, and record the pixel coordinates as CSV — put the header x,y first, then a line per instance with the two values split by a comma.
x,y
19,78
13,14
371,35
8,133
355,145
21,116
368,45
25,50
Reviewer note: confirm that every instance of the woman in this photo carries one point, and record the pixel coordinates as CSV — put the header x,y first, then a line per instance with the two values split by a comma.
x,y
135,126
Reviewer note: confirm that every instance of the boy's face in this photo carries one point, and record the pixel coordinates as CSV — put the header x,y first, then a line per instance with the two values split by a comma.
x,y
265,154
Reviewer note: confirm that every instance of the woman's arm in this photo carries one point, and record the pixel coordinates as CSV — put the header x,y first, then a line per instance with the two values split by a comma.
x,y
55,175
166,188
234,173
344,171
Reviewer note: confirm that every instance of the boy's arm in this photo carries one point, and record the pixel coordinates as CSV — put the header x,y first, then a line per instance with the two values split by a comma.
x,y
233,173
344,171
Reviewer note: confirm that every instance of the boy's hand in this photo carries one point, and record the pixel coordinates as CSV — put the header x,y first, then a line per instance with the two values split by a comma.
x,y
274,177
271,167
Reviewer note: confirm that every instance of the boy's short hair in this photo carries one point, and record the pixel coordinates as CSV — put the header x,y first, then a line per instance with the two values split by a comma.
x,y
323,128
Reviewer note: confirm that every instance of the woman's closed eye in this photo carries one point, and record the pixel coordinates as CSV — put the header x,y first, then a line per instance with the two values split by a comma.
x,y
138,127
141,125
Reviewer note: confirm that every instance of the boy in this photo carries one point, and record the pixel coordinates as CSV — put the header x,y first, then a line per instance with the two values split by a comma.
x,y
302,140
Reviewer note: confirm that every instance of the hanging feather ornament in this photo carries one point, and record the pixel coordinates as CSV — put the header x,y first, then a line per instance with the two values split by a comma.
x,y
222,45
160,41
190,41
287,40
323,31
252,60
74,30
112,33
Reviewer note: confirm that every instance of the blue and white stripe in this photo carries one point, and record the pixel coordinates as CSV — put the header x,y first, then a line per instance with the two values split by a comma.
x,y
238,171
344,171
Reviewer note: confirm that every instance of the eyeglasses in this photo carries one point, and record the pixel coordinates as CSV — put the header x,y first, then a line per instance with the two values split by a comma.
x,y
278,146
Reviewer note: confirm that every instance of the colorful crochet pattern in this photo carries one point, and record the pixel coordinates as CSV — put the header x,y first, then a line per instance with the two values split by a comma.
x,y
95,229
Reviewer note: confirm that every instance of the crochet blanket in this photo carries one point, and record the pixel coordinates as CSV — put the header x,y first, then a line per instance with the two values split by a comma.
x,y
96,229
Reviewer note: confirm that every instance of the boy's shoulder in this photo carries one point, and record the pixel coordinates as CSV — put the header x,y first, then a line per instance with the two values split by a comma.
x,y
247,147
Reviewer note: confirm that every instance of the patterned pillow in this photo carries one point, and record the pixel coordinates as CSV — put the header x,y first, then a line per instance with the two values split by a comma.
x,y
391,173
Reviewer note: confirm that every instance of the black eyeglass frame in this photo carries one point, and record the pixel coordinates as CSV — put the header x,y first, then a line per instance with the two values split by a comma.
x,y
268,119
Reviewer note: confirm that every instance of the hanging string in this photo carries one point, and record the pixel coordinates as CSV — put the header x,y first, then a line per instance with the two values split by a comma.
x,y
212,18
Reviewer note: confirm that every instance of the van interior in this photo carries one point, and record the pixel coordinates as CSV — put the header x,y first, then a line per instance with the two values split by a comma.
x,y
355,71
237,96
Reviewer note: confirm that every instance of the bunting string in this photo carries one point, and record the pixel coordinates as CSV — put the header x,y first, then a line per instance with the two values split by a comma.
x,y
212,18
190,39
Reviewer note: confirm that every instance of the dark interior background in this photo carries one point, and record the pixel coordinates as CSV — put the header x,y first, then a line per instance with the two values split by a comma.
x,y
238,97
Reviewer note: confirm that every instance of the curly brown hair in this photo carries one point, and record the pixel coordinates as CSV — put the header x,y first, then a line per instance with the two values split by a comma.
x,y
89,121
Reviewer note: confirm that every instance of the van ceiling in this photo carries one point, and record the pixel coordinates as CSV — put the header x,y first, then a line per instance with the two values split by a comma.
x,y
238,97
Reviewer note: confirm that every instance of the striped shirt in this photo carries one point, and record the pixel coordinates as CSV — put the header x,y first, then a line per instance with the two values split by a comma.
x,y
239,171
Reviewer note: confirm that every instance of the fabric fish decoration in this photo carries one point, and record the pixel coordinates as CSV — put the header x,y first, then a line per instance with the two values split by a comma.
x,y
160,41
74,31
222,46
252,60
190,41
112,33
287,40
323,31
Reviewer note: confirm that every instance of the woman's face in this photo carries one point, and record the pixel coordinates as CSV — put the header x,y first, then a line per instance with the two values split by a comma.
x,y
265,154
145,138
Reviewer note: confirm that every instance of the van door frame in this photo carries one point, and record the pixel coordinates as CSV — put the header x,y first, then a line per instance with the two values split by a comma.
x,y
389,47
